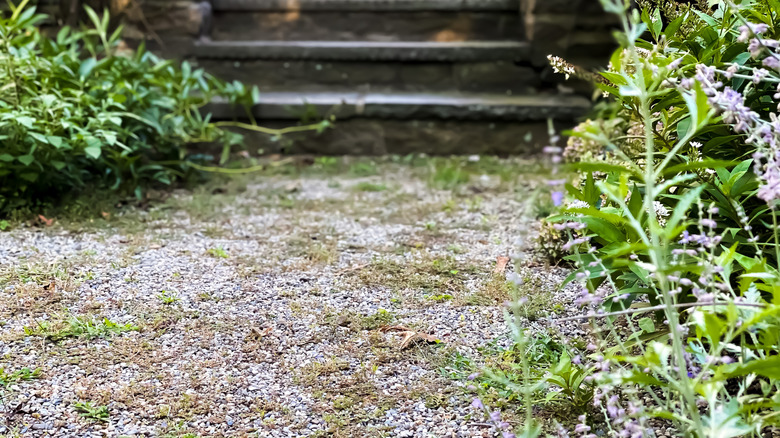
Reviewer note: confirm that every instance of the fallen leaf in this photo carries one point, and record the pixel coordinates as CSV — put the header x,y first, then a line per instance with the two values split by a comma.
x,y
410,336
51,287
261,333
106,215
501,263
46,222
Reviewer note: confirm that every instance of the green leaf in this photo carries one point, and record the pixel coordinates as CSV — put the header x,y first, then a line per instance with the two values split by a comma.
x,y
55,141
647,325
94,147
768,367
6,157
25,121
26,159
635,203
86,67
29,176
673,27
656,23
39,137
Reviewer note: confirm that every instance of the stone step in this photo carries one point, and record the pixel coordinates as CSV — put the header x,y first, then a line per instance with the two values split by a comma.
x,y
416,51
441,26
409,106
499,77
361,136
366,5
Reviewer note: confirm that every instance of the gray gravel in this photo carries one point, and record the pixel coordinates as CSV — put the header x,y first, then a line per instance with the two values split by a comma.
x,y
277,339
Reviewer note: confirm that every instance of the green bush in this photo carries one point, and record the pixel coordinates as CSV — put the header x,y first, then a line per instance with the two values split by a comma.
x,y
672,225
76,112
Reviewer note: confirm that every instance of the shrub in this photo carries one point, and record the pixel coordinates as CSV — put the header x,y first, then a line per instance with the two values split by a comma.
x,y
77,112
672,225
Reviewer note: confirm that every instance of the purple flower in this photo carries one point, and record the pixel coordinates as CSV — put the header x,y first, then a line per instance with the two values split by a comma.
x,y
557,198
772,62
755,47
495,416
477,404
581,428
759,75
746,31
709,223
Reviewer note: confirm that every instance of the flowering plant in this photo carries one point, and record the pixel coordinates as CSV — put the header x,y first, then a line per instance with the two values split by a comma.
x,y
672,225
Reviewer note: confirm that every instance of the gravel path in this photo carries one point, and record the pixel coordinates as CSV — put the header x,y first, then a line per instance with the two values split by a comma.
x,y
256,308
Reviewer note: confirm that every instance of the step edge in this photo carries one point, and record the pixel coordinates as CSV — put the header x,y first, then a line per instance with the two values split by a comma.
x,y
363,50
364,5
475,106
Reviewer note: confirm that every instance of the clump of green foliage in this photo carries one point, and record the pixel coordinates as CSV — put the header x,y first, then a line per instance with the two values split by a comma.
x,y
77,113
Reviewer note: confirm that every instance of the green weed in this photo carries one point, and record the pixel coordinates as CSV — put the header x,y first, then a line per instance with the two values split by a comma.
x,y
217,252
168,297
78,327
9,378
370,187
91,411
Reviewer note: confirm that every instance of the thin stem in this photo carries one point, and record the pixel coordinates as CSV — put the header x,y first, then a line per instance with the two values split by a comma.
x,y
272,131
656,308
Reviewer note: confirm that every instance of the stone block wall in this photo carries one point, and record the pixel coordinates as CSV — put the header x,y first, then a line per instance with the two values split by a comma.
x,y
578,30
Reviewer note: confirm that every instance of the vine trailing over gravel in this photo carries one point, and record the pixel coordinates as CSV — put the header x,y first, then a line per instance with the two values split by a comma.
x,y
78,111
671,225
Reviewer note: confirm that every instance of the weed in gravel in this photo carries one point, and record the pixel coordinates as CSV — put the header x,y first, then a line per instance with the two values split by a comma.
x,y
92,411
526,286
561,388
372,322
77,327
447,174
341,403
536,298
440,275
320,252
455,248
7,378
440,298
308,374
491,292
364,168
168,297
38,273
370,187
217,252
435,401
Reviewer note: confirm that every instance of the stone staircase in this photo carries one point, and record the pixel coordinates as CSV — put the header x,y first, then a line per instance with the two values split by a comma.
x,y
399,76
